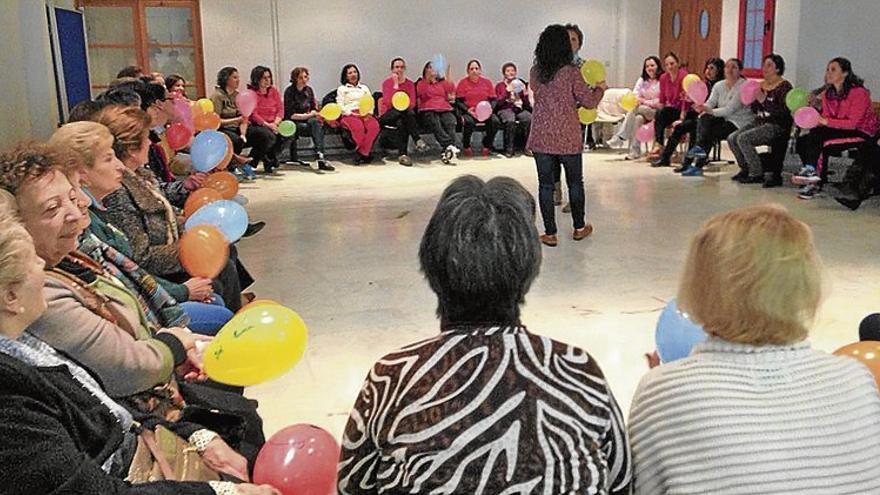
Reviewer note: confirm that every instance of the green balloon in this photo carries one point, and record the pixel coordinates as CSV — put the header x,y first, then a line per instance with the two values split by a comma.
x,y
286,128
796,98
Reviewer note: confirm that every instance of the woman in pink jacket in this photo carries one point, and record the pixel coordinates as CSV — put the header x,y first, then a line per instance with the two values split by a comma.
x,y
675,106
847,118
263,131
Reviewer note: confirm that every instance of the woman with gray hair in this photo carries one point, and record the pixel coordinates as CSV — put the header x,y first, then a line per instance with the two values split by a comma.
x,y
486,404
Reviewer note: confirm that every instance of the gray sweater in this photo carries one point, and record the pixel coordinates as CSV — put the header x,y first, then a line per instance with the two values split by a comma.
x,y
739,419
725,102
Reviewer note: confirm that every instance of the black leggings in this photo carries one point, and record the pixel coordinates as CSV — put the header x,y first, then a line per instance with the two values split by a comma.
x,y
664,118
469,125
812,150
406,124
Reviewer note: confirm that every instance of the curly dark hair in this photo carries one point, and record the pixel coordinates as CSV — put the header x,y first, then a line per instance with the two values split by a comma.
x,y
719,68
508,64
553,52
223,76
344,80
30,160
257,74
656,59
172,79
778,61
851,81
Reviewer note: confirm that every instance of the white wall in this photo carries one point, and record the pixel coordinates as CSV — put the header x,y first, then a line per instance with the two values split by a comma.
x,y
325,35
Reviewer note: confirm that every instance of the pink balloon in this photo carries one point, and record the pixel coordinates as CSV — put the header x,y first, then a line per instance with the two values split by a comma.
x,y
698,92
247,102
297,460
183,113
806,117
483,111
749,91
645,133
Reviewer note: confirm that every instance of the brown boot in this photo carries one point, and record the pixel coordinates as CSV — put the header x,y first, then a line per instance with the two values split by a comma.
x,y
581,234
549,240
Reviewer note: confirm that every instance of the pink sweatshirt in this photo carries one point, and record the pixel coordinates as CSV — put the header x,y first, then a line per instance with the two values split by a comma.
x,y
269,107
388,92
671,92
853,112
475,92
434,97
648,92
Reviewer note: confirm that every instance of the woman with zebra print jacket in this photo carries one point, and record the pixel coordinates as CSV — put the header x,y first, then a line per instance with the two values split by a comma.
x,y
486,406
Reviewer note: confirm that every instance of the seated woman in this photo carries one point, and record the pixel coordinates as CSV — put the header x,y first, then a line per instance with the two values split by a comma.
x,y
862,178
514,107
647,91
301,107
713,72
101,175
95,317
364,128
234,125
674,105
755,409
772,124
146,218
61,429
267,115
175,84
405,121
847,118
435,92
722,114
482,396
469,92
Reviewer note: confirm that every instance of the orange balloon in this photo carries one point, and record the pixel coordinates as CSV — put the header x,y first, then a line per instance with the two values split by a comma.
x,y
199,198
227,157
196,109
203,251
223,182
258,302
205,121
866,352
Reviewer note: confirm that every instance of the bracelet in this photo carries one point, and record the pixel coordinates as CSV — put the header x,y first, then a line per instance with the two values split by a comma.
x,y
201,438
223,487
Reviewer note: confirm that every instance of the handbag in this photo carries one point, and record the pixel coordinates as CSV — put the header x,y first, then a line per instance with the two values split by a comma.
x,y
162,455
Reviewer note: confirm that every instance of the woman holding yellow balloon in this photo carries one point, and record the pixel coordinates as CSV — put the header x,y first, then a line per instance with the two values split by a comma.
x,y
356,102
397,109
301,107
641,106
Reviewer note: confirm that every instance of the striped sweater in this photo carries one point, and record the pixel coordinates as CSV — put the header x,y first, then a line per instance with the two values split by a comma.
x,y
738,419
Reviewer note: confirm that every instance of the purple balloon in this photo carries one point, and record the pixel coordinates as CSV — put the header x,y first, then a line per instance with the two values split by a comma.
x,y
806,117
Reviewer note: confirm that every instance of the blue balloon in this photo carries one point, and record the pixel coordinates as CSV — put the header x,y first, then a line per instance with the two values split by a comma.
x,y
438,63
207,149
228,216
676,334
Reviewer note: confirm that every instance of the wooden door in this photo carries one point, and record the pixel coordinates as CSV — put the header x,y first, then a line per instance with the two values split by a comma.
x,y
691,29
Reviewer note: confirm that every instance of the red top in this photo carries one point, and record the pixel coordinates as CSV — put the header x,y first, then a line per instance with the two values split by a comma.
x,y
475,92
853,112
434,97
269,107
388,92
671,92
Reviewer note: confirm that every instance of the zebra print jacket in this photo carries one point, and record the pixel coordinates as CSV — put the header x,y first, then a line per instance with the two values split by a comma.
x,y
485,411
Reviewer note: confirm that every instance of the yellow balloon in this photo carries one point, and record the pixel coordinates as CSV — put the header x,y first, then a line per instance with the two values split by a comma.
x,y
256,345
366,104
688,79
400,101
206,105
587,115
593,72
629,101
331,112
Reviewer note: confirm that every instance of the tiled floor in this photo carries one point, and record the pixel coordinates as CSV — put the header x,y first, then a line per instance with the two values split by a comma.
x,y
341,249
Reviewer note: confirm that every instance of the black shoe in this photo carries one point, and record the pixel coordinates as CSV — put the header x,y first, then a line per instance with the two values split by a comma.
x,y
753,179
509,153
771,182
852,204
253,228
359,159
661,162
740,176
323,165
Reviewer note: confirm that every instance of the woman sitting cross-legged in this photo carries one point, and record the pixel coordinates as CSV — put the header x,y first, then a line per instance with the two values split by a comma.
x,y
755,409
674,105
486,406
62,432
722,114
364,128
435,92
404,120
647,91
301,107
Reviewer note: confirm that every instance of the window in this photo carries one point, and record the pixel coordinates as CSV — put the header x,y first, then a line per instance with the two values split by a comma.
x,y
156,35
755,33
704,24
676,25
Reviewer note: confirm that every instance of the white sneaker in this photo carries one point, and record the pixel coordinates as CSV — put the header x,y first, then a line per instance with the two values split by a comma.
x,y
616,142
449,154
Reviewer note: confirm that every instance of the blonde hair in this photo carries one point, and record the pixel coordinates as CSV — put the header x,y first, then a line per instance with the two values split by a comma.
x,y
15,243
753,276
84,138
130,126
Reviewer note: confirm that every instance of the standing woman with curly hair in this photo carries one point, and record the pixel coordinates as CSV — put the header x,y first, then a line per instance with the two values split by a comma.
x,y
555,136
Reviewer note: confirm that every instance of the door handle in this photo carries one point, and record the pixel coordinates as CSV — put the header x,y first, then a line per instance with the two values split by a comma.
x,y
768,25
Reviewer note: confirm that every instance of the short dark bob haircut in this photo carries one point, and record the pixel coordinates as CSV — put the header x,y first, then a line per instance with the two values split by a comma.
x,y
223,76
480,252
344,80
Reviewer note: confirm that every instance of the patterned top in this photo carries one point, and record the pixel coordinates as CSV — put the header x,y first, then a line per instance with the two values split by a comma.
x,y
486,410
556,129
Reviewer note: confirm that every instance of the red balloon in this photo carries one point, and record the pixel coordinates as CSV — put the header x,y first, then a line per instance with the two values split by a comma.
x,y
298,460
179,136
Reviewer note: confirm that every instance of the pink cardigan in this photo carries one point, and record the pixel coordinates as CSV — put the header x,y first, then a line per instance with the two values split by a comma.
x,y
853,112
269,106
671,93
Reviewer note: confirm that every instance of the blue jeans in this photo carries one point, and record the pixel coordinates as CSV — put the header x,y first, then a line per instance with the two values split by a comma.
x,y
207,318
548,165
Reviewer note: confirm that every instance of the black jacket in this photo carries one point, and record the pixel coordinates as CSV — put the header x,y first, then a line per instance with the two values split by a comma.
x,y
54,435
